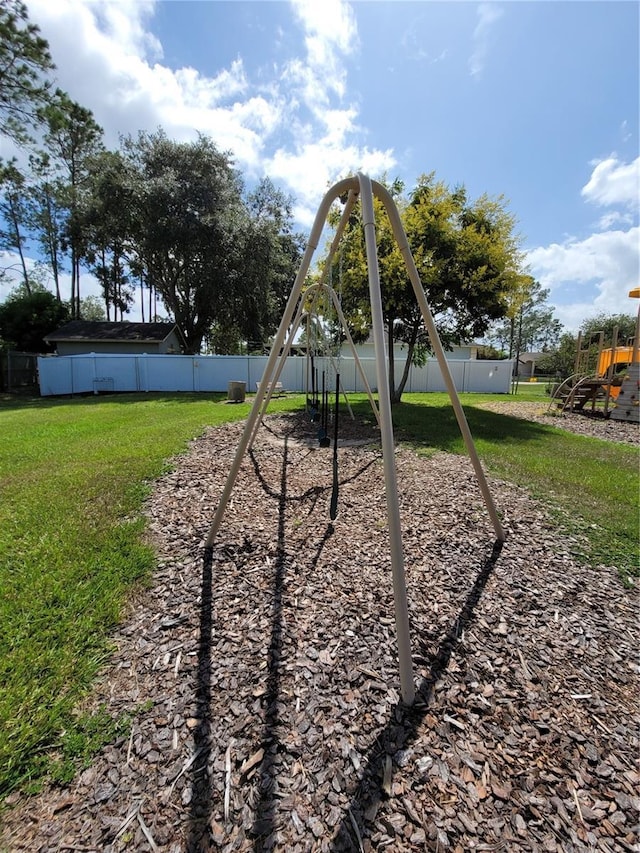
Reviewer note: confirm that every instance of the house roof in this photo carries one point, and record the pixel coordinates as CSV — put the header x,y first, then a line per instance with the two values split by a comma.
x,y
86,330
526,357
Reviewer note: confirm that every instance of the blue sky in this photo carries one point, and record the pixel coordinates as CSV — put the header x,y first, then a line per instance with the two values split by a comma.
x,y
536,101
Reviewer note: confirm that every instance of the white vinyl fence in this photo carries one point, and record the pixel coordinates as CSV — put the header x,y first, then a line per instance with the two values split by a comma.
x,y
101,373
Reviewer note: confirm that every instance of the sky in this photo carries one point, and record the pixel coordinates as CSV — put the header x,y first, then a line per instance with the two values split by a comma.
x,y
537,102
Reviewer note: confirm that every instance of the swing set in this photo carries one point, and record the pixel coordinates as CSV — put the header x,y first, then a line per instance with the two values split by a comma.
x,y
354,188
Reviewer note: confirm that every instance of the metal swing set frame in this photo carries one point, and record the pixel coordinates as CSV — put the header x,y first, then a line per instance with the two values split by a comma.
x,y
361,186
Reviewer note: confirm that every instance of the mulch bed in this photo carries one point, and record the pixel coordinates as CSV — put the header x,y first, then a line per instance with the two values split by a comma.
x,y
263,676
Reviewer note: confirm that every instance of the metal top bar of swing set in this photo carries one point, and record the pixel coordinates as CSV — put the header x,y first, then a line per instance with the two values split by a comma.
x,y
361,185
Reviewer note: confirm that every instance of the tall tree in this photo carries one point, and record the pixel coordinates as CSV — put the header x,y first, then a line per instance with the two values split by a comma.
x,y
560,359
188,224
48,213
72,138
467,256
108,224
24,62
529,324
14,215
270,256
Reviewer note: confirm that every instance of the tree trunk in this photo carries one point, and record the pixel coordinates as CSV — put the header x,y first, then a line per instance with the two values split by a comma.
x,y
393,395
512,335
408,360
518,343
52,244
18,244
78,288
73,286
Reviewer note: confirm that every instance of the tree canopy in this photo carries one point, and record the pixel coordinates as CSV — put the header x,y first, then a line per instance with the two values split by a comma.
x,y
25,318
467,255
529,324
626,324
24,62
561,358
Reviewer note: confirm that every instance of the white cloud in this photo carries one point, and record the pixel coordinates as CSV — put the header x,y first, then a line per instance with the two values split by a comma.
x,y
105,54
326,160
488,14
625,133
330,33
602,269
296,120
598,271
330,27
614,183
321,148
614,217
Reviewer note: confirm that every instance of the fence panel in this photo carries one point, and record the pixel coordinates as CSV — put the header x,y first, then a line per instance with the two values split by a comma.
x,y
213,373
82,374
18,372
169,372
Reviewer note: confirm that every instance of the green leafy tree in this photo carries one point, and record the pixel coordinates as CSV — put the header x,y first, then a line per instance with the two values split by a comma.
x,y
559,360
107,214
91,308
269,259
24,63
466,254
529,324
25,318
490,353
188,211
72,138
606,323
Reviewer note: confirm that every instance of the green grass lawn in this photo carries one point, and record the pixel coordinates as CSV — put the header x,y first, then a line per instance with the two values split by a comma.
x,y
74,473
592,486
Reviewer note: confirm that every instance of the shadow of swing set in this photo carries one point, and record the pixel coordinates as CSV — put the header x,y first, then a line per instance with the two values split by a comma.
x,y
363,188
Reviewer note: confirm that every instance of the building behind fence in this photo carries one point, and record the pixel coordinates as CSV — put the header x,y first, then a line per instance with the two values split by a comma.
x,y
100,373
18,372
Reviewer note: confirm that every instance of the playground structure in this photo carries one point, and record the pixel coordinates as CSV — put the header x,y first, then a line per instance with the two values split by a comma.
x,y
362,187
612,390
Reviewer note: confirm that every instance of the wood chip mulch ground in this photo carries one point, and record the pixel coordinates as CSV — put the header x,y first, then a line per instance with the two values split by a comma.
x,y
263,679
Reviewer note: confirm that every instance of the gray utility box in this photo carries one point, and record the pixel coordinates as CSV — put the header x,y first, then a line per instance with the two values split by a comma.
x,y
236,392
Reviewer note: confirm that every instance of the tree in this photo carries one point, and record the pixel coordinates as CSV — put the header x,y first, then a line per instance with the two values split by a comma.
x,y
529,324
24,59
72,138
216,260
270,257
91,308
188,213
25,318
560,360
47,213
606,323
107,223
466,254
14,215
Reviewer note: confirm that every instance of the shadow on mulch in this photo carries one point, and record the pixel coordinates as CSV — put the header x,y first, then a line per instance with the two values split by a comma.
x,y
201,798
404,721
398,734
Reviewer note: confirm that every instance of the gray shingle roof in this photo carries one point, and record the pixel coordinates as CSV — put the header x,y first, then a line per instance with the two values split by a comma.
x,y
86,330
